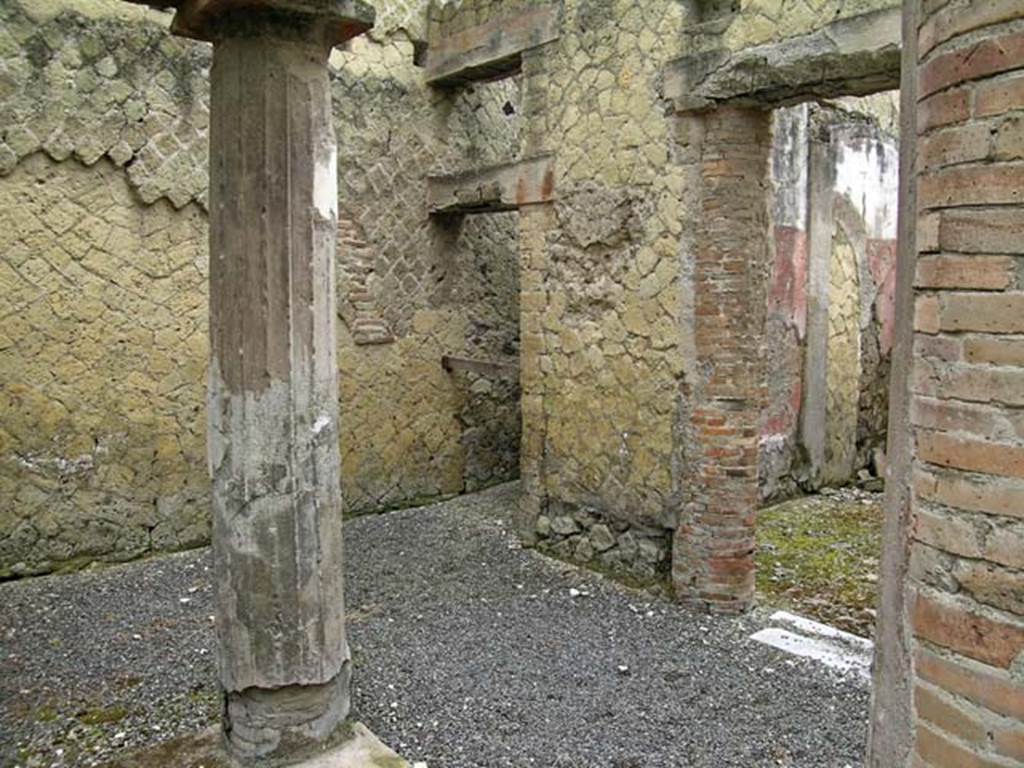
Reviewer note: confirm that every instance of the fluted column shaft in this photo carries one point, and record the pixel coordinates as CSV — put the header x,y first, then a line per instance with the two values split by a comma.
x,y
273,395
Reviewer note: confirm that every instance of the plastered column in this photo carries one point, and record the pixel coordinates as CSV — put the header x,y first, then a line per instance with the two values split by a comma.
x,y
273,413
815,386
283,657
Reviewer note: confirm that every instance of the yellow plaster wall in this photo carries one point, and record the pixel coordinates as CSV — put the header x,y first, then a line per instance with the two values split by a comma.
x,y
103,119
103,347
843,370
766,21
601,339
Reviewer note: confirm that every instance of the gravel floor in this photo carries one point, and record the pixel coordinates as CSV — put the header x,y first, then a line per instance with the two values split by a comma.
x,y
469,651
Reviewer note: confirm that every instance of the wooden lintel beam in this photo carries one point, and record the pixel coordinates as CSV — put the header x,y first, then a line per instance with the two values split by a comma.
x,y
483,367
496,188
490,49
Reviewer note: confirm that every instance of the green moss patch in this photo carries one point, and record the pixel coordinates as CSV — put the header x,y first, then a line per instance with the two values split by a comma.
x,y
103,715
818,556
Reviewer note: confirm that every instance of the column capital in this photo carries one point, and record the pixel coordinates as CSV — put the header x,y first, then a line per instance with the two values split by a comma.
x,y
335,21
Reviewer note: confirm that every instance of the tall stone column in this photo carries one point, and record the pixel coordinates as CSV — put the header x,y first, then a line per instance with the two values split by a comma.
x,y
273,394
273,415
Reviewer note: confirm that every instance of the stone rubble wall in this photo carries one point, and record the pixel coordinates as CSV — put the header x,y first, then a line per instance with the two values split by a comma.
x,y
105,81
601,292
843,370
737,24
103,259
103,345
434,288
454,18
103,119
609,352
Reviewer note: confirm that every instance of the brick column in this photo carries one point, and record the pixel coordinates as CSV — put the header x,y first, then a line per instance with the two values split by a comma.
x,y
713,553
965,596
273,393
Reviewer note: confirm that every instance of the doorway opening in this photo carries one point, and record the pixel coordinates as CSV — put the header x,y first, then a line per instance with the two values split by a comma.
x,y
830,322
476,240
484,364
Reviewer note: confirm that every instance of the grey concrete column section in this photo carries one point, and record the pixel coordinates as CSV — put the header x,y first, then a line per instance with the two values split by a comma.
x,y
821,184
273,393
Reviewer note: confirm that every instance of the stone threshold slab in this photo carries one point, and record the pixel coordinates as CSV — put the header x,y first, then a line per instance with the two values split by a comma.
x,y
800,636
361,749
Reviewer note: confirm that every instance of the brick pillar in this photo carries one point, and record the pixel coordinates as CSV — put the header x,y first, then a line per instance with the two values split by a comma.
x,y
713,553
273,392
965,414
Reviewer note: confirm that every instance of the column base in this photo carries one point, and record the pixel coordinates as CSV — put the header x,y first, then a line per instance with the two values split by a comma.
x,y
355,746
262,725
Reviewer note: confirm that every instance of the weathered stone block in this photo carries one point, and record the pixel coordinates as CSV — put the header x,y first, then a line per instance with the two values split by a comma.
x,y
850,56
944,108
565,525
987,313
966,272
971,185
943,711
955,20
977,455
584,551
990,688
497,188
341,20
982,59
601,538
999,96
